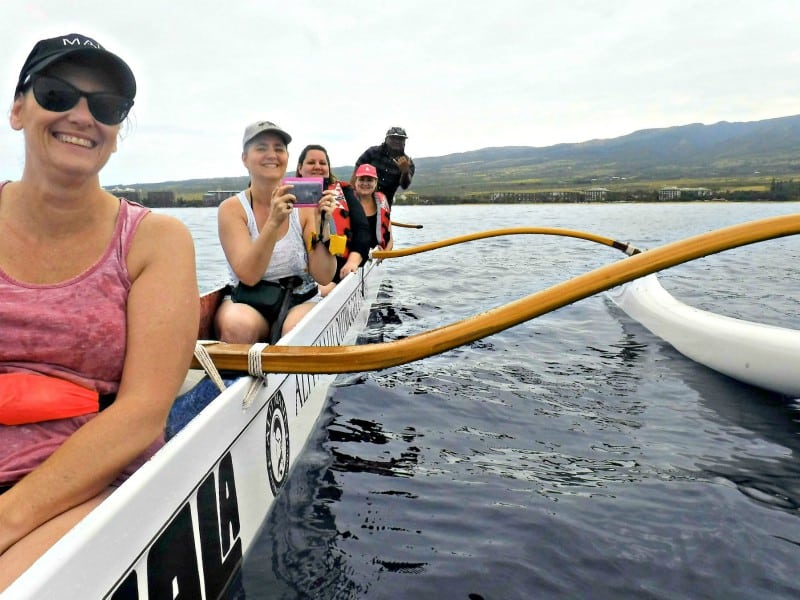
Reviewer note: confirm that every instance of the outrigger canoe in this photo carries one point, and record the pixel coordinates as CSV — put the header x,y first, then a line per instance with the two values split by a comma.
x,y
180,526
761,355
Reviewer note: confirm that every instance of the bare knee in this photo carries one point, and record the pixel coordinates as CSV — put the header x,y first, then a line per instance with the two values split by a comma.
x,y
239,323
293,317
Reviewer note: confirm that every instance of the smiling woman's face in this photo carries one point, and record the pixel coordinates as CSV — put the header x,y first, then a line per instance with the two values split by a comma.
x,y
266,156
315,164
72,140
365,185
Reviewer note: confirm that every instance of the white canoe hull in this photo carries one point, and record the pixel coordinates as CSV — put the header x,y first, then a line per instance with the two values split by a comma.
x,y
761,355
182,523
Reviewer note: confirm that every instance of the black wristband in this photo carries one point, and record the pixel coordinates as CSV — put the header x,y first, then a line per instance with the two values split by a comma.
x,y
315,240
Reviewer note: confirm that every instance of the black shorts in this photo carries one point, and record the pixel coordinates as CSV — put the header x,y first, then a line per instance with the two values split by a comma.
x,y
267,297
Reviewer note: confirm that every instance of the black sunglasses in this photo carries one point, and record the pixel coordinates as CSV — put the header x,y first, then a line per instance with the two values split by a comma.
x,y
57,95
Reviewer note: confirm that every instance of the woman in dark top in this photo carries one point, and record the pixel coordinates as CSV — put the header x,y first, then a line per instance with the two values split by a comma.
x,y
376,207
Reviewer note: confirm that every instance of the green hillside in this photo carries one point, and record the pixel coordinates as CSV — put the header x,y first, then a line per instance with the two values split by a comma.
x,y
722,156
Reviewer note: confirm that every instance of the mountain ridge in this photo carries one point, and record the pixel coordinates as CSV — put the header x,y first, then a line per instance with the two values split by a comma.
x,y
767,148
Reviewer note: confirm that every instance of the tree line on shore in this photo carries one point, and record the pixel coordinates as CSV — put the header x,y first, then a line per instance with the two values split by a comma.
x,y
778,191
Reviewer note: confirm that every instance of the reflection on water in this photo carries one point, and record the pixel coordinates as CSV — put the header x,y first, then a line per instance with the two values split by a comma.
x,y
762,433
751,436
359,431
304,533
298,557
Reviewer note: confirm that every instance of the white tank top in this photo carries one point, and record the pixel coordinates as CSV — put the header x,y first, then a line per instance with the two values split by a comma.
x,y
289,254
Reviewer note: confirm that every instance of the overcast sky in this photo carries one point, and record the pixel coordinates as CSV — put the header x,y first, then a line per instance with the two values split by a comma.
x,y
459,75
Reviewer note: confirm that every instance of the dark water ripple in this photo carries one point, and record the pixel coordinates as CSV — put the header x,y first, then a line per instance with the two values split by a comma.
x,y
573,456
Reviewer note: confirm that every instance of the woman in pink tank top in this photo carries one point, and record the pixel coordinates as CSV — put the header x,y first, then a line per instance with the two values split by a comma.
x,y
98,304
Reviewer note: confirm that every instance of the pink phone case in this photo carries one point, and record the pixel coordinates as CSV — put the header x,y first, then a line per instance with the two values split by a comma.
x,y
306,190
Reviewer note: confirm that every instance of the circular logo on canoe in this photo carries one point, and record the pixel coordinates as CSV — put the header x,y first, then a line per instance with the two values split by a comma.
x,y
277,442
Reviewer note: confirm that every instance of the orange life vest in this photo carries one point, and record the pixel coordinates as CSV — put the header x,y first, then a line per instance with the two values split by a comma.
x,y
341,216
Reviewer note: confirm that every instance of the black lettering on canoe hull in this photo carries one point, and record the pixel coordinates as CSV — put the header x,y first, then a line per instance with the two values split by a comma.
x,y
173,560
303,385
220,545
128,589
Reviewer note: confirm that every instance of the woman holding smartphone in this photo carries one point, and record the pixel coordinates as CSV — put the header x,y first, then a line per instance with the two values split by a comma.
x,y
270,244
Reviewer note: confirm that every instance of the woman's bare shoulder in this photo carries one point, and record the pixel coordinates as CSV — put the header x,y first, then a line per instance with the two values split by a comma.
x,y
231,206
159,224
159,237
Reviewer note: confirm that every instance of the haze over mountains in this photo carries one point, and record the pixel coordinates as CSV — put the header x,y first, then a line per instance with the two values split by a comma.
x,y
767,148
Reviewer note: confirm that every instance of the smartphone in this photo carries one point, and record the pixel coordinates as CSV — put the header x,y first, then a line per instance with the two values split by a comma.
x,y
307,190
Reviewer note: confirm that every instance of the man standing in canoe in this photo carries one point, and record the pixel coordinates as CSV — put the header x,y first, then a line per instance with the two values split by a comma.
x,y
395,168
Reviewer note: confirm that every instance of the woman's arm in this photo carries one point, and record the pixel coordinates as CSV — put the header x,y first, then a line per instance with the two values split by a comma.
x,y
354,260
321,263
390,243
162,321
248,258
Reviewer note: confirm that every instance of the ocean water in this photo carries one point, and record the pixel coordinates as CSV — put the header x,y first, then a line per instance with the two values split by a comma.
x,y
572,456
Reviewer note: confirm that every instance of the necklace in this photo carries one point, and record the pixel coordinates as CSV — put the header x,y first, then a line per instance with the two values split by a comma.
x,y
252,200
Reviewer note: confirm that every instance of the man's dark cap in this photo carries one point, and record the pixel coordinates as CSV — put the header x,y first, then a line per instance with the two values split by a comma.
x,y
396,132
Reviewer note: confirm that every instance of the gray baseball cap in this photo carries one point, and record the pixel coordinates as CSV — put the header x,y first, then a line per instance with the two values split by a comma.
x,y
259,127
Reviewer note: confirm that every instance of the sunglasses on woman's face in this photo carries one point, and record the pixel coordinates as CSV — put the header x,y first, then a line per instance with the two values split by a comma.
x,y
57,95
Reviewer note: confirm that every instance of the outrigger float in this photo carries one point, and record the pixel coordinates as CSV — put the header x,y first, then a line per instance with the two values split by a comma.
x,y
181,525
762,355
